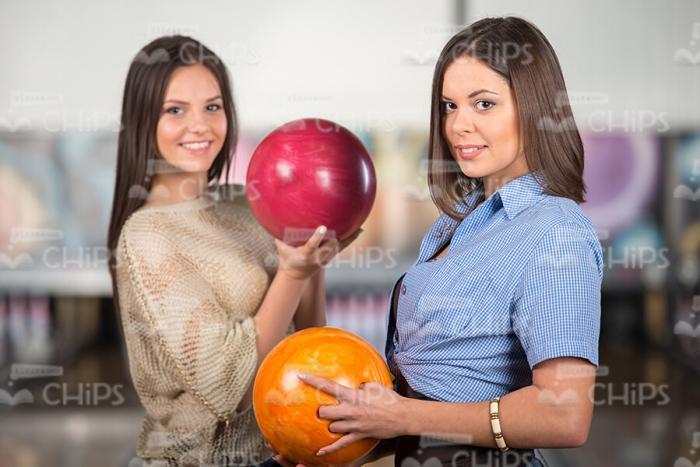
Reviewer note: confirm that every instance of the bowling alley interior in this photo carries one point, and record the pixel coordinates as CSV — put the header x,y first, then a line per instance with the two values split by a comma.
x,y
632,72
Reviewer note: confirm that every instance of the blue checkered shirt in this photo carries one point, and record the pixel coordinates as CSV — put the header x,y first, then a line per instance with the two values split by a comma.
x,y
520,284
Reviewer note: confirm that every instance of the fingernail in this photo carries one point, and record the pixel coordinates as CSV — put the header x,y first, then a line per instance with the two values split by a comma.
x,y
320,452
322,230
302,375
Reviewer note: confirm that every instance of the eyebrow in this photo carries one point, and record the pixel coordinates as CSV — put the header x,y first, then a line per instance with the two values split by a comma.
x,y
474,93
183,102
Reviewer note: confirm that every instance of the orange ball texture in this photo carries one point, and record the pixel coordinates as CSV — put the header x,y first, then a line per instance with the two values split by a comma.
x,y
286,408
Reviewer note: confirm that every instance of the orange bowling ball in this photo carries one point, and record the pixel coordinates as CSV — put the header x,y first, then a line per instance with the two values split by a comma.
x,y
286,407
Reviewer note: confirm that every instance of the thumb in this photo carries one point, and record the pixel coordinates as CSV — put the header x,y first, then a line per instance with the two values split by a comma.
x,y
316,238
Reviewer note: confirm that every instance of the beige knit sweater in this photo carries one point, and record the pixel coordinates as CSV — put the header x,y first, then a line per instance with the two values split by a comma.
x,y
190,278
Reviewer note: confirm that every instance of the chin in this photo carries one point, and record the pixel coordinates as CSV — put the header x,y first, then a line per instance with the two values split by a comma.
x,y
194,165
471,173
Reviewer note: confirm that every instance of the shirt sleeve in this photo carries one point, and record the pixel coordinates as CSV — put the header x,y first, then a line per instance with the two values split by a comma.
x,y
557,310
213,349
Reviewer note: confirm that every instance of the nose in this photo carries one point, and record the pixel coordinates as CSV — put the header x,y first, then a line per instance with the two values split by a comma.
x,y
462,122
197,123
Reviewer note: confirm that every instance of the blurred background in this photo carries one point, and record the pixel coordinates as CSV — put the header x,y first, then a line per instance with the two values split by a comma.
x,y
633,73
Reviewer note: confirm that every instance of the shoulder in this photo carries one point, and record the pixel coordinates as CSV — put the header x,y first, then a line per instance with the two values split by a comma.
x,y
551,211
221,218
222,205
564,228
144,225
563,213
143,242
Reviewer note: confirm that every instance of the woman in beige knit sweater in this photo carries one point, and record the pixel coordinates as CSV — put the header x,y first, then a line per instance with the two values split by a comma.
x,y
203,292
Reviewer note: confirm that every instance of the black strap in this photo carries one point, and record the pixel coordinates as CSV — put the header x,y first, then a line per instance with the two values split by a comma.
x,y
395,300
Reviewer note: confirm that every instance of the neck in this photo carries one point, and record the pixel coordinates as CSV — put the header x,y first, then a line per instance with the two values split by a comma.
x,y
177,187
495,181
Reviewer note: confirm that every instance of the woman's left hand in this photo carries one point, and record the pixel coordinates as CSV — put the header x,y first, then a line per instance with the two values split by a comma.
x,y
372,411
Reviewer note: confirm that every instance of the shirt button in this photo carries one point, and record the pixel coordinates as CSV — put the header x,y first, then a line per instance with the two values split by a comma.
x,y
403,289
438,234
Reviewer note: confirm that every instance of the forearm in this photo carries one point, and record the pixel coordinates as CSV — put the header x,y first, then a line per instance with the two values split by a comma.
x,y
276,312
528,420
273,318
312,308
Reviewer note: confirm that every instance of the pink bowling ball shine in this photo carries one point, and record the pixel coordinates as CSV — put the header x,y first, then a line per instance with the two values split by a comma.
x,y
307,173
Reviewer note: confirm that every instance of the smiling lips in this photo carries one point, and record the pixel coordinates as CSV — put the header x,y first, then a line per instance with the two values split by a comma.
x,y
198,147
469,151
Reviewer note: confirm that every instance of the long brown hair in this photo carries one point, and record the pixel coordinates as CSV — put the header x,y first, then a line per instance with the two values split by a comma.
x,y
138,157
519,52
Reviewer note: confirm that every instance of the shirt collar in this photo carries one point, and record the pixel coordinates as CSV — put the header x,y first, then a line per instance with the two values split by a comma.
x,y
515,196
521,193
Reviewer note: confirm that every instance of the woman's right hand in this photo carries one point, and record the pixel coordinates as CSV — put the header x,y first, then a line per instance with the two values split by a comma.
x,y
304,261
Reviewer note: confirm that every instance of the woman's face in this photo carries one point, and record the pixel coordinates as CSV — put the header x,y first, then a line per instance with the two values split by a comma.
x,y
480,123
192,124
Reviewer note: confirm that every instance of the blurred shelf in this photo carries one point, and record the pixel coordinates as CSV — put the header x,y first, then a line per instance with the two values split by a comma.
x,y
85,282
97,283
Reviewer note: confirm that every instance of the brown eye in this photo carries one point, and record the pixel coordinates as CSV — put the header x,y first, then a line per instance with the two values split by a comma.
x,y
489,104
448,106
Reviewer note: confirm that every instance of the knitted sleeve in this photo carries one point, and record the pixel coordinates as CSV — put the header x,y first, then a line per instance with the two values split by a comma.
x,y
211,351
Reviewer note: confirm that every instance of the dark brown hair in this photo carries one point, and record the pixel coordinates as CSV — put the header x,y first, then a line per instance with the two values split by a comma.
x,y
519,52
138,157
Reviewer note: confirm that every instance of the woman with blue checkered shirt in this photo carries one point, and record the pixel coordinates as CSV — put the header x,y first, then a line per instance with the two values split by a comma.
x,y
493,333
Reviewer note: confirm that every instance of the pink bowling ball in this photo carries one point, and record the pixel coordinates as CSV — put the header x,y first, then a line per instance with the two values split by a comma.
x,y
307,173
